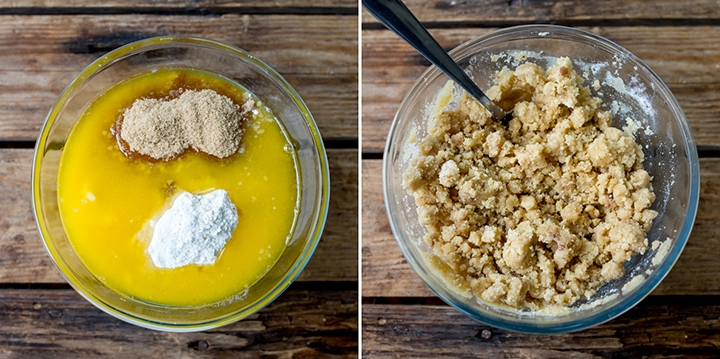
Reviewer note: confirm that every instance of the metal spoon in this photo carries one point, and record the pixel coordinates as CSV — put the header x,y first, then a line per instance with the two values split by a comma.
x,y
398,18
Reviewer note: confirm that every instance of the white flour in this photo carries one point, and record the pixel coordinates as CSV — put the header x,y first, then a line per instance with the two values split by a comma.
x,y
194,230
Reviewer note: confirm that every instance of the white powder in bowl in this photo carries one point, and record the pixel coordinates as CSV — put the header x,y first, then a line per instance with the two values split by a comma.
x,y
194,230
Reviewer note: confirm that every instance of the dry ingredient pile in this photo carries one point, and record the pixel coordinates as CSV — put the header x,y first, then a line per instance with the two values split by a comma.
x,y
540,212
204,121
195,229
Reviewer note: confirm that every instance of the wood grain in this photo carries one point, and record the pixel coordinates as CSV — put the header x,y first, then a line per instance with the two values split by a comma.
x,y
503,11
41,54
60,323
685,57
651,329
23,259
307,5
336,258
387,274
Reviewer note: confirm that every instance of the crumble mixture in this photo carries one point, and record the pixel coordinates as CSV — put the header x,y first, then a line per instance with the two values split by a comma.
x,y
539,212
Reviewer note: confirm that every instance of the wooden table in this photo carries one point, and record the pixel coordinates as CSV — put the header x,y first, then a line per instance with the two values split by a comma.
x,y
45,43
678,40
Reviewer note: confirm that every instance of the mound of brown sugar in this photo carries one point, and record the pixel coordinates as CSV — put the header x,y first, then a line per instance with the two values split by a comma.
x,y
204,121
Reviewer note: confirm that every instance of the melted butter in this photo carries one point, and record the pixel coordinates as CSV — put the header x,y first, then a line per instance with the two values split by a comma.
x,y
107,199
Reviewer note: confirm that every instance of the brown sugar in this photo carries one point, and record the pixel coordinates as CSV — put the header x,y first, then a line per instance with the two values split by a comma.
x,y
203,121
540,212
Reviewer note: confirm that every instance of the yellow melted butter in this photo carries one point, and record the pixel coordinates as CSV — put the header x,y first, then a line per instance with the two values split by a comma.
x,y
106,199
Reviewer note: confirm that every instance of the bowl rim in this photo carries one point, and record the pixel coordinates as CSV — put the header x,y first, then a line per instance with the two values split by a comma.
x,y
637,294
315,227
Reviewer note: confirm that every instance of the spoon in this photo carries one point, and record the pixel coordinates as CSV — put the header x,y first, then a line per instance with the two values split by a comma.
x,y
398,18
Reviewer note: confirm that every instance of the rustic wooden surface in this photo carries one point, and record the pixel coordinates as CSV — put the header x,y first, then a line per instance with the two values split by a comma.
x,y
665,327
403,318
44,43
565,11
276,6
59,324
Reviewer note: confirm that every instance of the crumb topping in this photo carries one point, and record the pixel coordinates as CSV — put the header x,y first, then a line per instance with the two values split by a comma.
x,y
539,212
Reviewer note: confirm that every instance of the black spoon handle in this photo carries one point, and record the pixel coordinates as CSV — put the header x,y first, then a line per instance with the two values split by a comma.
x,y
398,18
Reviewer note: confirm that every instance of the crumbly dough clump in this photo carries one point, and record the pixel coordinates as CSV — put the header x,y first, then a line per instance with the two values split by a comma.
x,y
542,211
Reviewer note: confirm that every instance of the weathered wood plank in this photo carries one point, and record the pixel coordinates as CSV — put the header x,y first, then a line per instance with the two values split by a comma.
x,y
299,324
336,257
41,54
685,57
503,11
327,45
174,4
23,259
387,274
651,329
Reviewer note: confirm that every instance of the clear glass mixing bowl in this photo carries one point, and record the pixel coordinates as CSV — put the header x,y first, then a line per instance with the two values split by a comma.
x,y
231,63
670,157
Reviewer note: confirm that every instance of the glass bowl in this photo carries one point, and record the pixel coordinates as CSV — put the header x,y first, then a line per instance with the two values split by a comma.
x,y
231,63
628,87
